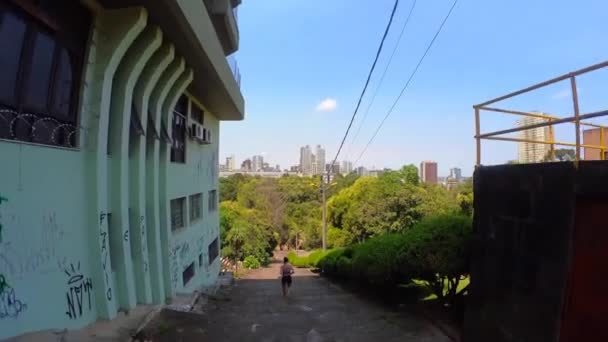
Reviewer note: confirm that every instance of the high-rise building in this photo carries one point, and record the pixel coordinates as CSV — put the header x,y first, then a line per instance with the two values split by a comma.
x,y
456,173
246,165
362,171
528,152
334,170
428,172
306,157
347,167
230,163
593,137
257,163
320,160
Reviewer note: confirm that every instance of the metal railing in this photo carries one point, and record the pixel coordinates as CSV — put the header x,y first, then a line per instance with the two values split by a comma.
x,y
234,67
550,120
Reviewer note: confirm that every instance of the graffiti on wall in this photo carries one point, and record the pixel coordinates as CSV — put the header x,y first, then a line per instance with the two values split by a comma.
x,y
25,256
10,305
144,242
180,257
2,199
105,253
78,293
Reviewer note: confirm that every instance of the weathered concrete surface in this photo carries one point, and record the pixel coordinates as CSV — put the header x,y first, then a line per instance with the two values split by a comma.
x,y
316,310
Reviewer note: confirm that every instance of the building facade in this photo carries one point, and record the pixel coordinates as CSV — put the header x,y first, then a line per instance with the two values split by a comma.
x,y
109,127
456,173
257,163
528,152
347,167
306,161
428,172
246,165
594,137
230,163
319,160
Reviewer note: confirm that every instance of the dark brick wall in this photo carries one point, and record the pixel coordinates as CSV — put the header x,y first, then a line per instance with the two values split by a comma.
x,y
523,224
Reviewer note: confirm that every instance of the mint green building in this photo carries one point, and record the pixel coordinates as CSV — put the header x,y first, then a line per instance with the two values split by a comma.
x,y
110,117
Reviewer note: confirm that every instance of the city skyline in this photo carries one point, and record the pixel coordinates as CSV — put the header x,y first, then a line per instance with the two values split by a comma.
x,y
345,166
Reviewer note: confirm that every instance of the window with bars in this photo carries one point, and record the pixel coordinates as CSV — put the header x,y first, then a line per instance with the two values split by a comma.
x,y
197,114
43,46
214,250
178,146
212,200
178,211
196,207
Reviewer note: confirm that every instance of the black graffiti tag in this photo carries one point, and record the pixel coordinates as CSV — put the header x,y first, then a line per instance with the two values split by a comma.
x,y
103,235
78,293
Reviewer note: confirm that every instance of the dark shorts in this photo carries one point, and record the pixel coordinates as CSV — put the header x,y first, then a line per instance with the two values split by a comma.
x,y
286,280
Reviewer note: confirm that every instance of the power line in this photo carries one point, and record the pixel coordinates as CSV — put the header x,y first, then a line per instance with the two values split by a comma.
x,y
369,76
407,20
408,81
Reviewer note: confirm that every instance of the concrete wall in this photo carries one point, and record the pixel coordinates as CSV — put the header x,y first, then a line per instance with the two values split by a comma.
x,y
524,222
198,175
83,231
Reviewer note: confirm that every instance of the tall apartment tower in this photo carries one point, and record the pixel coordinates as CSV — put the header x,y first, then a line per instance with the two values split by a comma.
x,y
428,172
456,173
347,167
320,160
257,163
230,163
530,152
306,157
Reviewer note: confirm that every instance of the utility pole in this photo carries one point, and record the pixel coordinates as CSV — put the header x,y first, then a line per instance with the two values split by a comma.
x,y
323,188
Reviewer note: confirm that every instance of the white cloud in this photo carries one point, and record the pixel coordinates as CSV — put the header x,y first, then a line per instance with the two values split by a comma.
x,y
327,105
562,94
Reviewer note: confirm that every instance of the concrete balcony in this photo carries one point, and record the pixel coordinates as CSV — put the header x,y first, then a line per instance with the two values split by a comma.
x,y
224,16
188,25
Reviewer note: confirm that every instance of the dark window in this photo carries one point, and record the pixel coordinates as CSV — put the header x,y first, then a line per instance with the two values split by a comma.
x,y
200,260
178,147
42,46
197,114
196,207
212,200
12,34
214,251
178,209
36,92
188,274
182,105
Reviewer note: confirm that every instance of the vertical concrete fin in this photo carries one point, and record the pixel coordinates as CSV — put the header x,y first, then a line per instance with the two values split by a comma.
x,y
125,79
177,89
143,170
157,250
112,34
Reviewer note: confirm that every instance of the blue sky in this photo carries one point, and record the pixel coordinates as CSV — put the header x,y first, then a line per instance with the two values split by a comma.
x,y
296,53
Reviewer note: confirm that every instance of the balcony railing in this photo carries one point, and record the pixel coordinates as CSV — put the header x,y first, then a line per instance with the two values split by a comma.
x,y
234,67
543,120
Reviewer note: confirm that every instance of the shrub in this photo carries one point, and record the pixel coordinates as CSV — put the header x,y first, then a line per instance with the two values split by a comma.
x,y
434,251
438,252
251,262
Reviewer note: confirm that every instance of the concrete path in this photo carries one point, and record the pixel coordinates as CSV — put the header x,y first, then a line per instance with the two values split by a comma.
x,y
316,310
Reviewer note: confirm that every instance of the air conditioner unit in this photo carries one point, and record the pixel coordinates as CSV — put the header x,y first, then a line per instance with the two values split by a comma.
x,y
194,131
199,132
206,136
